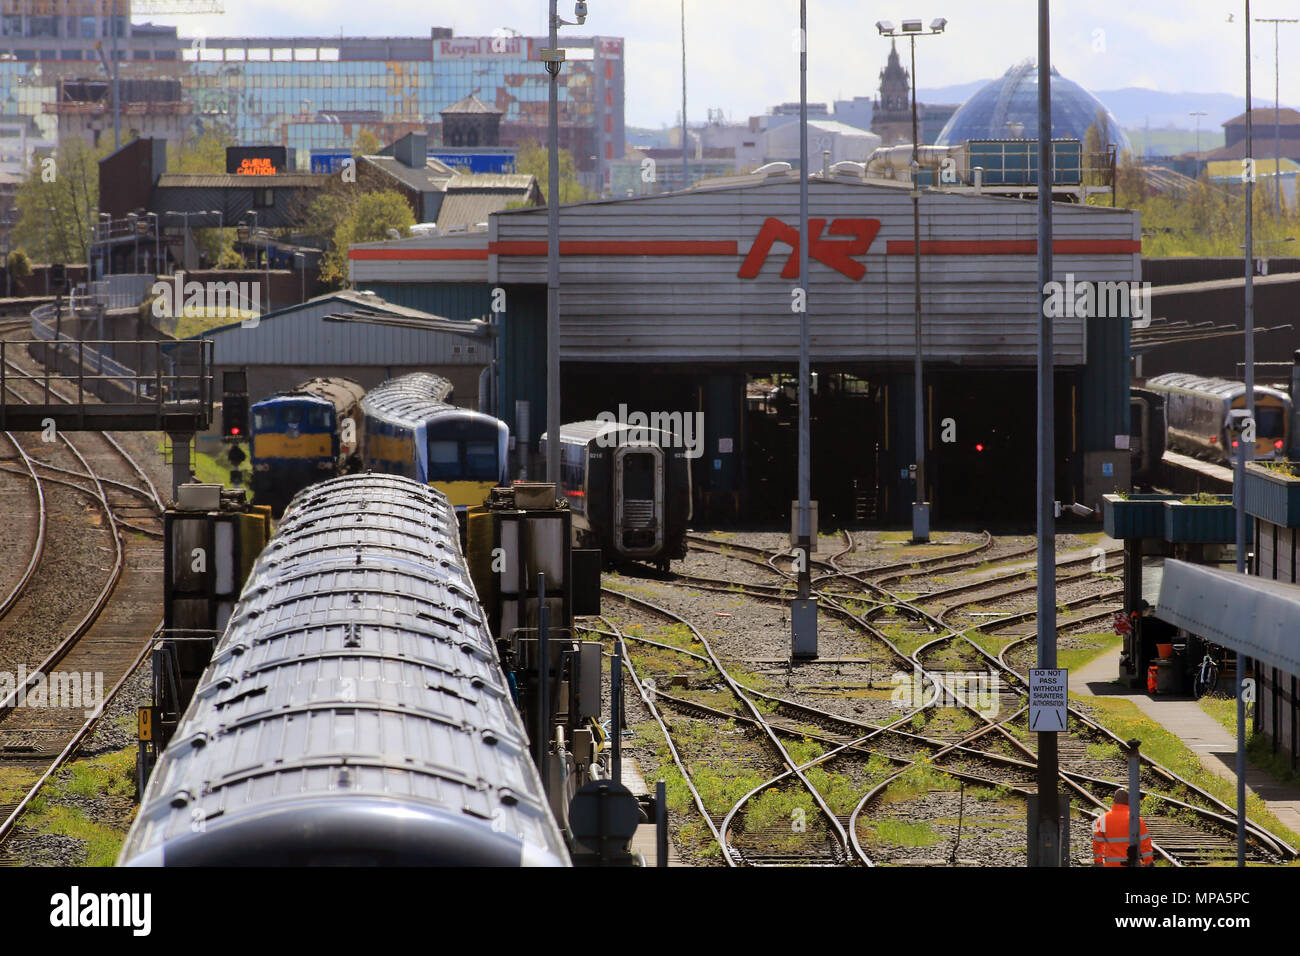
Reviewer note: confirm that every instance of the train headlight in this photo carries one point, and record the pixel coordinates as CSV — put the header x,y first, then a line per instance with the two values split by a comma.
x,y
324,465
261,466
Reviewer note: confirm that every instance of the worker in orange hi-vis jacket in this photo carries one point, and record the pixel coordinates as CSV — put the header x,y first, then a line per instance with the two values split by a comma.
x,y
1110,837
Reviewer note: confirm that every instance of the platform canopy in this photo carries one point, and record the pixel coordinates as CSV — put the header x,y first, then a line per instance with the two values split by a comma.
x,y
1252,615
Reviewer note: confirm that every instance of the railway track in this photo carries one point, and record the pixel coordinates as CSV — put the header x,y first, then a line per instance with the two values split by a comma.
x,y
1194,830
79,659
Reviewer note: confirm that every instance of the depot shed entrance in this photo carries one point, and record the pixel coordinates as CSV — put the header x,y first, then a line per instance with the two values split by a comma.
x,y
685,302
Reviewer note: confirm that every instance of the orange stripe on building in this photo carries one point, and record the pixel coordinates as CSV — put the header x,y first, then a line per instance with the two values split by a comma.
x,y
621,247
1014,247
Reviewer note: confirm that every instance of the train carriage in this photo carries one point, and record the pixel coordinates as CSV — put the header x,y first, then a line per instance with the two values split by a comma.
x,y
629,489
303,436
355,711
1206,416
410,428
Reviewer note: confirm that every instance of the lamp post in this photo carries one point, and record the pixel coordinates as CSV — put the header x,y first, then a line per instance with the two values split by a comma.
x,y
685,179
1277,123
920,502
1244,450
803,616
553,57
1045,848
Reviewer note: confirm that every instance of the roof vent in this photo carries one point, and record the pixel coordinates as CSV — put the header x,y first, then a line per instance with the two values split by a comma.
x,y
773,169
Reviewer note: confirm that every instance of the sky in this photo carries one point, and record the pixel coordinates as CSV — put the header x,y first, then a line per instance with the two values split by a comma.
x,y
741,55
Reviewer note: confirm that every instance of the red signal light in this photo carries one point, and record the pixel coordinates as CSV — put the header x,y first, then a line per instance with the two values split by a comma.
x,y
1278,443
979,447
1235,443
234,429
1214,440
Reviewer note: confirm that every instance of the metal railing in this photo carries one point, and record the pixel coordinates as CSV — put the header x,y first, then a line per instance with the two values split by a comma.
x,y
181,383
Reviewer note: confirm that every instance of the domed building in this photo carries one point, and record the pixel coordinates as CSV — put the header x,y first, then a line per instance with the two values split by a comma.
x,y
1008,109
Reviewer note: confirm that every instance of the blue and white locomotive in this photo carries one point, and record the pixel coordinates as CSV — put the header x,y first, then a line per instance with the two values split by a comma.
x,y
410,428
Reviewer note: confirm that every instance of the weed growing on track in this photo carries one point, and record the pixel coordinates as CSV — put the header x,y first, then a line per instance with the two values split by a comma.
x,y
901,833
110,775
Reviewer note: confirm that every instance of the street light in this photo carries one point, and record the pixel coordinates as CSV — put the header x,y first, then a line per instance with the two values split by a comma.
x,y
920,504
553,57
1277,123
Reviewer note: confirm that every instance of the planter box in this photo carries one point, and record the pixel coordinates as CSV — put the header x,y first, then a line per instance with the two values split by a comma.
x,y
1137,516
1272,496
1200,524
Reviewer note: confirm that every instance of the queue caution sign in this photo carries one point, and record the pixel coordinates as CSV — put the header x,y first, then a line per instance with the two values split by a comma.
x,y
1049,698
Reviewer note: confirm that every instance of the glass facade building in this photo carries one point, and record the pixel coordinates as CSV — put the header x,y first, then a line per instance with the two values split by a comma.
x,y
1007,108
319,93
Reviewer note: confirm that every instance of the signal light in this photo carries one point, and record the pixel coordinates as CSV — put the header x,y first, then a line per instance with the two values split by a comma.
x,y
979,446
1235,443
1278,443
1214,439
234,415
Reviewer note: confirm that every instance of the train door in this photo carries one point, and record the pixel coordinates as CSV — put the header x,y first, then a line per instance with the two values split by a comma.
x,y
638,499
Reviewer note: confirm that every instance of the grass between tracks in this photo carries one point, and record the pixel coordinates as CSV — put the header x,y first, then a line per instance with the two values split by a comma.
x,y
1123,718
61,807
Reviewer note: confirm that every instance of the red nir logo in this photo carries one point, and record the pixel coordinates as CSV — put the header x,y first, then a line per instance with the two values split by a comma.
x,y
838,253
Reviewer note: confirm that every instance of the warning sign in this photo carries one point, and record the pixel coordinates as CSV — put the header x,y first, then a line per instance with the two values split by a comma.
x,y
1049,698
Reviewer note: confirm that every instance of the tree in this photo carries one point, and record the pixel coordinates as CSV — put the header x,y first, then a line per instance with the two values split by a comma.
x,y
533,160
366,143
206,153
368,219
56,200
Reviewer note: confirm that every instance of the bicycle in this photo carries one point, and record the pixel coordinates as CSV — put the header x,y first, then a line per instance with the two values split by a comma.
x,y
1207,677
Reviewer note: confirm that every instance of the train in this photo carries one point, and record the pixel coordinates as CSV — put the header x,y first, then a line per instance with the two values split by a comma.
x,y
1205,416
629,489
1147,429
409,427
303,436
355,711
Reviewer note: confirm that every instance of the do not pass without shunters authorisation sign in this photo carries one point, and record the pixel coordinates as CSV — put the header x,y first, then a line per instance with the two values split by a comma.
x,y
1049,698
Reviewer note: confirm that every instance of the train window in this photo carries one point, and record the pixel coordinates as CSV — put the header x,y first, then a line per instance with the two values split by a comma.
x,y
481,459
639,476
444,460
263,421
292,416
318,418
1269,422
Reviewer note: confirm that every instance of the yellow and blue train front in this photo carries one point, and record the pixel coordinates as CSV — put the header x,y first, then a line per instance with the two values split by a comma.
x,y
294,445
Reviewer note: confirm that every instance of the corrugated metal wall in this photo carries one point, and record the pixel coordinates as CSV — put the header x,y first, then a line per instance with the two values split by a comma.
x,y
655,307
305,337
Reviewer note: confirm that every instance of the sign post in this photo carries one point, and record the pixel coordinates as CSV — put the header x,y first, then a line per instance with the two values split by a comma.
x,y
1049,699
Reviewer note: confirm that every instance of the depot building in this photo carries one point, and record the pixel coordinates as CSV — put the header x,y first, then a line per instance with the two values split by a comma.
x,y
687,302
